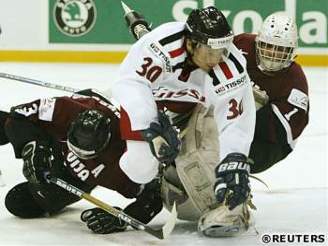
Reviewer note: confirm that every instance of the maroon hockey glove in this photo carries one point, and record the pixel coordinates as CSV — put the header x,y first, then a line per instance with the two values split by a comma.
x,y
101,222
232,184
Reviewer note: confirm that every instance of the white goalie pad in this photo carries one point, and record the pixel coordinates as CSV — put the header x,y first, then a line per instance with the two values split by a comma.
x,y
194,167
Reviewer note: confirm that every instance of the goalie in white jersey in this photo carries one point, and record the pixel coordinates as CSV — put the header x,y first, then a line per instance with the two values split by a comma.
x,y
177,65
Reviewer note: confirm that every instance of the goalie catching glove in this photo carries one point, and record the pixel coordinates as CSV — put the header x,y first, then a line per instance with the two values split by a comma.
x,y
232,184
37,157
163,139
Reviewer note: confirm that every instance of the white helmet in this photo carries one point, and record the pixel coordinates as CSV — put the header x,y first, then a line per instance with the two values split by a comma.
x,y
276,42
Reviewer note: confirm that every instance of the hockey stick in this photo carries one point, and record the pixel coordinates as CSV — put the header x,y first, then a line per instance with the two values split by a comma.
x,y
160,233
137,24
38,82
110,103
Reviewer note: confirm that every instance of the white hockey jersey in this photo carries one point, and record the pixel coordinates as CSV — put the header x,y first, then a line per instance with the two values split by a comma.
x,y
152,71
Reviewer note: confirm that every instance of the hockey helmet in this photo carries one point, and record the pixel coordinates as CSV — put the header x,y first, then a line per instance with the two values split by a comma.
x,y
210,27
276,42
89,134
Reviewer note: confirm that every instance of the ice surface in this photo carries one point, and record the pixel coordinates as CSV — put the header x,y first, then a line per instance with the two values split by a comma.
x,y
296,203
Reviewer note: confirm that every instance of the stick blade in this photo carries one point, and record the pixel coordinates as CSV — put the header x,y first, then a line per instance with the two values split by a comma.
x,y
167,228
170,224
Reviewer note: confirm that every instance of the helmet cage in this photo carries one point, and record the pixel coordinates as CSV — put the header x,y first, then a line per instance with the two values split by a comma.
x,y
276,42
271,57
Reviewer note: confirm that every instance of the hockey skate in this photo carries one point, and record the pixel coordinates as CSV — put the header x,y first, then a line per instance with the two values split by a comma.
x,y
222,222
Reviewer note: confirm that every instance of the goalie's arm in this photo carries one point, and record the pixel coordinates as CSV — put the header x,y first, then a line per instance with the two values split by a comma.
x,y
235,117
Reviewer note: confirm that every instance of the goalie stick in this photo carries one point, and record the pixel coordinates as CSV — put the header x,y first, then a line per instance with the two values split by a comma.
x,y
161,233
137,24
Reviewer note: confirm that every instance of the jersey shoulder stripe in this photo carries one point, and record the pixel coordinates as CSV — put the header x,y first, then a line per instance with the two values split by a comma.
x,y
237,64
171,38
226,70
177,52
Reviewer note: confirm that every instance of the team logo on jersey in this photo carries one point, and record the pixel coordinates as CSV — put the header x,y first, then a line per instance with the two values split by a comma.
x,y
75,17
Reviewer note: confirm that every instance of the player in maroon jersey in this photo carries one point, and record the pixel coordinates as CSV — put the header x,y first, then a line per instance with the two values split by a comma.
x,y
77,139
281,89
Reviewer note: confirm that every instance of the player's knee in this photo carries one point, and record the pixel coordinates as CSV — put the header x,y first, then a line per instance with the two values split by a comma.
x,y
20,202
138,163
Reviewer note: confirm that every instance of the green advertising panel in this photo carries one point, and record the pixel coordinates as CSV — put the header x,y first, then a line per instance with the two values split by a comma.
x,y
102,22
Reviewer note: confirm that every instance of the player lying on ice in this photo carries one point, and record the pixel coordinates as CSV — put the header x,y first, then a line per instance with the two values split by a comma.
x,y
78,140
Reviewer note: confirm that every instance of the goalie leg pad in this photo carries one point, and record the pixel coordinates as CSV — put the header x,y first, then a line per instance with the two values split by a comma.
x,y
196,163
20,202
223,222
172,191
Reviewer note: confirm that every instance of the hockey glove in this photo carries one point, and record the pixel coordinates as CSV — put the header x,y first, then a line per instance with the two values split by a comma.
x,y
232,180
260,96
37,157
148,203
163,139
101,222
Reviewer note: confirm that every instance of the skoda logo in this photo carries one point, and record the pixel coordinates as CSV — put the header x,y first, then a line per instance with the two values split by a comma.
x,y
75,17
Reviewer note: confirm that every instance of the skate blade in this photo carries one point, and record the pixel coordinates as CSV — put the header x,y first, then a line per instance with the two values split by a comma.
x,y
223,231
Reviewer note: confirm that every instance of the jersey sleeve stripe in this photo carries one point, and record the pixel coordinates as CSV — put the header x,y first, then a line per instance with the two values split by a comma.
x,y
125,127
286,125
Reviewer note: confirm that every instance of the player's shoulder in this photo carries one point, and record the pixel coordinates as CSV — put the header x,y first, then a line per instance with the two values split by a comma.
x,y
297,78
244,38
164,43
236,56
246,43
167,32
298,86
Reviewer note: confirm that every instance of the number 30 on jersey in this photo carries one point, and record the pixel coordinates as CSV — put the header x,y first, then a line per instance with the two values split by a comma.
x,y
148,71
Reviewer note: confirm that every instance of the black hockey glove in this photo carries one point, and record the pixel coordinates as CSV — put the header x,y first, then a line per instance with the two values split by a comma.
x,y
37,157
163,139
148,203
101,222
232,184
3,137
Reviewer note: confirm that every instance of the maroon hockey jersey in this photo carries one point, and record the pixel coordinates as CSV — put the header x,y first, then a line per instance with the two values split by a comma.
x,y
287,91
54,115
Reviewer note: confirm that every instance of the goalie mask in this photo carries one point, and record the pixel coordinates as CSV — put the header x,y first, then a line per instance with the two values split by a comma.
x,y
89,134
209,30
276,43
